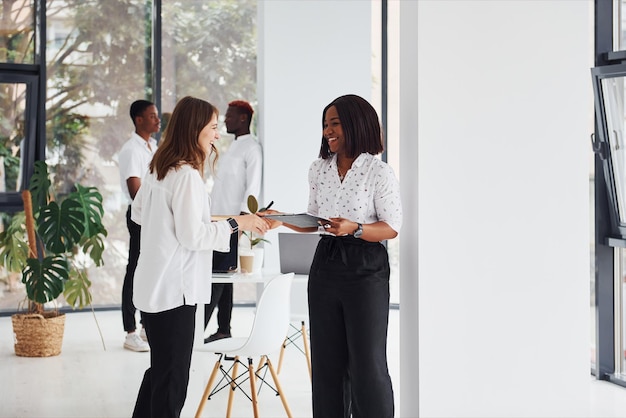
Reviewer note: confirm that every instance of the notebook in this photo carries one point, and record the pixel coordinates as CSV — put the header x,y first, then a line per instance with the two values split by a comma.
x,y
225,264
303,220
296,251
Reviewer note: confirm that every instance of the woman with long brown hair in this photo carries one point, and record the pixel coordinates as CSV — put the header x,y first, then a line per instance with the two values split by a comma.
x,y
177,243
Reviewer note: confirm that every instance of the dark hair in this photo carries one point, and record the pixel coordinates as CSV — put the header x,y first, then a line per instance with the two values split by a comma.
x,y
138,107
360,125
180,142
243,107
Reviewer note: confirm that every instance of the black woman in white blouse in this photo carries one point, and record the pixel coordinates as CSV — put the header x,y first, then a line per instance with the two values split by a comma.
x,y
348,287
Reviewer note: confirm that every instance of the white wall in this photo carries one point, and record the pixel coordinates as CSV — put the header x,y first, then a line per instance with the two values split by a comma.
x,y
496,110
310,52
503,103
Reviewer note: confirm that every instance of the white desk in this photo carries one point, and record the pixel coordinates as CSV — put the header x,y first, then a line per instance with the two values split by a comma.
x,y
244,278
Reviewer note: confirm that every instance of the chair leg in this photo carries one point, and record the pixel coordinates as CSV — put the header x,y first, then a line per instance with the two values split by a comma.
x,y
255,406
280,390
207,390
233,387
259,367
305,341
282,353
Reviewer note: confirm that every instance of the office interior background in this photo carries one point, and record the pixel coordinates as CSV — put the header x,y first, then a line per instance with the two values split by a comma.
x,y
488,110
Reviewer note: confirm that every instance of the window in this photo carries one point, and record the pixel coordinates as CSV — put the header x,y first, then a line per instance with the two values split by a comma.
x,y
99,60
609,190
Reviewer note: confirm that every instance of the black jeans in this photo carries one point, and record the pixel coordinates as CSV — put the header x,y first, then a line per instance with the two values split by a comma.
x,y
128,307
222,297
164,387
348,313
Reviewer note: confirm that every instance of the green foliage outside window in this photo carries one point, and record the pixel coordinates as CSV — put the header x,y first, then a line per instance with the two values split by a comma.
x,y
99,60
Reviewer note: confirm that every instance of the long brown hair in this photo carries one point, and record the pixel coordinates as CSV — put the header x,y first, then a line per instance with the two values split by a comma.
x,y
180,143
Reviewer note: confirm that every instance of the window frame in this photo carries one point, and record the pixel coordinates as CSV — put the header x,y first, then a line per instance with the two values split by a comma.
x,y
27,75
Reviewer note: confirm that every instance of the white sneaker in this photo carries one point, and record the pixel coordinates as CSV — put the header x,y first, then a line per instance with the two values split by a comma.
x,y
135,343
143,335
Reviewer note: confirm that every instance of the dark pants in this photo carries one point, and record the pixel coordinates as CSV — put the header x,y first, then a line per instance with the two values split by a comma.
x,y
349,312
128,307
222,297
164,386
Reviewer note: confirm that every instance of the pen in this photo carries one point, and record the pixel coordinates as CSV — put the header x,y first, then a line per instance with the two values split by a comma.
x,y
268,206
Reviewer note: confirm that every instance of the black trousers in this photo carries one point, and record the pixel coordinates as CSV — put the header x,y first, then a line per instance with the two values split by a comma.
x,y
128,307
222,297
348,295
164,387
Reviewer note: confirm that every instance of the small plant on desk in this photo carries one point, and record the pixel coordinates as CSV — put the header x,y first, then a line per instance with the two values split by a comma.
x,y
253,207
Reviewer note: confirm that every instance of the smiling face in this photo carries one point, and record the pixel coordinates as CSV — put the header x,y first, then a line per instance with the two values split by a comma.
x,y
333,131
209,134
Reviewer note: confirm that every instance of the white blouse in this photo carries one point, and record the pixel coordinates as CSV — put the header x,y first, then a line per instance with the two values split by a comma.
x,y
177,241
369,193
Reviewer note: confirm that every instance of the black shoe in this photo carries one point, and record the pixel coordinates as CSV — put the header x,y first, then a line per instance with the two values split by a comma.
x,y
216,336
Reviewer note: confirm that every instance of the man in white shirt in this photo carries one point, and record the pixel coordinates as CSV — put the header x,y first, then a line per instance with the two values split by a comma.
x,y
239,174
134,158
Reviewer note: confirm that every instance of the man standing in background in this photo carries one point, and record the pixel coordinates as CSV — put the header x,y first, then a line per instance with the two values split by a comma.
x,y
239,173
134,158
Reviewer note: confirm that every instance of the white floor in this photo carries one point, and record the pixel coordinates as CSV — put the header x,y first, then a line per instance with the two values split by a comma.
x,y
88,381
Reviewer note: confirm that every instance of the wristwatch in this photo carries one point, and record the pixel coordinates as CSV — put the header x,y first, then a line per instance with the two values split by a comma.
x,y
358,231
233,225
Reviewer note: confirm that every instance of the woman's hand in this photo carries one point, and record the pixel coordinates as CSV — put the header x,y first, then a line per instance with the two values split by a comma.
x,y
340,226
273,222
377,231
253,223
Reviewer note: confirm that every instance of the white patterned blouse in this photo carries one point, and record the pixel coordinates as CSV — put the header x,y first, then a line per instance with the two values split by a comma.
x,y
369,193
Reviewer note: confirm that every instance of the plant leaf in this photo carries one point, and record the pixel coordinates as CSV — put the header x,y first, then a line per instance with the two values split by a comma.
x,y
61,227
39,185
256,241
13,245
253,204
45,280
77,293
90,201
94,246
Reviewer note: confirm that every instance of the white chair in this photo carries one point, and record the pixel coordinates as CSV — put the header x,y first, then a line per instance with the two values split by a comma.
x,y
271,322
299,315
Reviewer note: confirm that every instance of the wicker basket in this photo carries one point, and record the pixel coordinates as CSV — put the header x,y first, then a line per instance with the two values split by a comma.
x,y
38,335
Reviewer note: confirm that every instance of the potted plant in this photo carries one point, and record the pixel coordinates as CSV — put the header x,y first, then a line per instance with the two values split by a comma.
x,y
53,249
251,259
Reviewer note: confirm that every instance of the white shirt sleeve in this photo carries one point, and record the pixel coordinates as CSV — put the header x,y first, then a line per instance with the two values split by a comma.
x,y
192,230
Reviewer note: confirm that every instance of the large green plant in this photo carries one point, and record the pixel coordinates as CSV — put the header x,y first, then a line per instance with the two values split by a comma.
x,y
69,233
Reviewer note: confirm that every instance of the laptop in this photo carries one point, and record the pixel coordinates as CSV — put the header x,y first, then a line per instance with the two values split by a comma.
x,y
225,264
296,251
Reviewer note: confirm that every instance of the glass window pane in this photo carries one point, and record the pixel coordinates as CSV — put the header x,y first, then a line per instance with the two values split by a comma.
x,y
17,32
12,134
98,56
210,52
98,60
613,94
